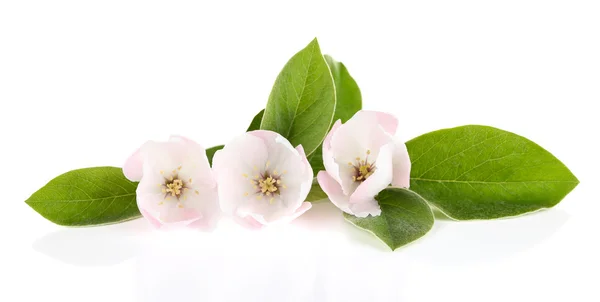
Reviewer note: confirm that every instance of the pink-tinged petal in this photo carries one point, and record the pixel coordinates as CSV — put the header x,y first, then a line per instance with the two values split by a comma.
x,y
376,182
308,174
388,122
202,224
265,135
366,208
301,210
334,191
132,169
328,160
153,221
201,203
248,222
401,164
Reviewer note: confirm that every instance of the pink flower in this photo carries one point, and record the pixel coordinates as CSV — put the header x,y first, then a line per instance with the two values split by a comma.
x,y
361,158
176,183
262,179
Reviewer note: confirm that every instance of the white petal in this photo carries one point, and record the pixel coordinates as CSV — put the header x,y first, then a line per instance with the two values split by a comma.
x,y
328,160
334,191
402,165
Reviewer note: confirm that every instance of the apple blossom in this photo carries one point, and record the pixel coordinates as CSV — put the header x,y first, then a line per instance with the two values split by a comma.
x,y
262,179
176,183
361,158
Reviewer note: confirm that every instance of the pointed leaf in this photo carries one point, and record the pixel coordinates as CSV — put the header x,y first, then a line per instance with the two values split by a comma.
x,y
302,102
480,172
255,124
84,197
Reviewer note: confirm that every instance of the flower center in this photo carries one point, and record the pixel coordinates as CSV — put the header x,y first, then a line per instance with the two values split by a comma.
x,y
267,183
362,168
174,187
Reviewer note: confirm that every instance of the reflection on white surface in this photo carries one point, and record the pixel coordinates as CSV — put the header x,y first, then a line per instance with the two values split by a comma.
x,y
461,243
95,246
319,257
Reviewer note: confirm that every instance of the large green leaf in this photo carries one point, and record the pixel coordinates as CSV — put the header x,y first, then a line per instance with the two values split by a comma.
x,y
480,172
405,217
348,102
302,102
90,196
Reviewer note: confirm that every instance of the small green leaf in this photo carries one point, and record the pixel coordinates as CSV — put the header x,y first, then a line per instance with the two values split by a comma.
x,y
348,97
405,217
210,152
316,193
255,124
302,102
480,172
84,197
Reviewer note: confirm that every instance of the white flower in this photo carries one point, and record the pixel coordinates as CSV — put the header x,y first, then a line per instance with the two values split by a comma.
x,y
262,179
176,183
361,158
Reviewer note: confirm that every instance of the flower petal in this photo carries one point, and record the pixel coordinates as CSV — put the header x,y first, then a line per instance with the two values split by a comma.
x,y
151,219
248,222
401,164
328,160
132,169
334,191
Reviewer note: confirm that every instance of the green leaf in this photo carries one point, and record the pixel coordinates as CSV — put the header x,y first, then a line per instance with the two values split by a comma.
x,y
255,124
480,172
84,197
348,97
348,102
405,217
210,152
316,193
302,102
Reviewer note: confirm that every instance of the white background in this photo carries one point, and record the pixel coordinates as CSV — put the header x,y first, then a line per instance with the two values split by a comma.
x,y
84,83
